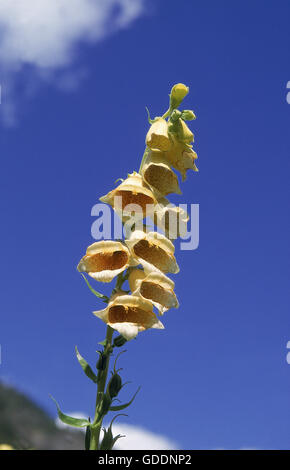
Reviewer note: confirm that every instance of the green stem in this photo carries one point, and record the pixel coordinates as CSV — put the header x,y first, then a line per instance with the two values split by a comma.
x,y
97,424
143,159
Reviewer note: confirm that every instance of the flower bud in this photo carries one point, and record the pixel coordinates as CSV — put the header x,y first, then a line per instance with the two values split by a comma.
x,y
178,93
114,385
184,134
175,115
108,440
119,341
102,361
188,115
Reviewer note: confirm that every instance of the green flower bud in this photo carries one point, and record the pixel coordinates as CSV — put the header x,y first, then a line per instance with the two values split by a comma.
x,y
119,341
108,440
175,115
188,115
102,361
178,93
114,385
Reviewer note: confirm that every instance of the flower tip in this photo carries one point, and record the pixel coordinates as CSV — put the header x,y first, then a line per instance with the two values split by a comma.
x,y
178,93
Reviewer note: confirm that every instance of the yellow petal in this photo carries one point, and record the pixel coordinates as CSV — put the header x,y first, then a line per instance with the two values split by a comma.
x,y
154,251
159,176
171,219
155,287
129,314
131,192
105,259
181,157
157,137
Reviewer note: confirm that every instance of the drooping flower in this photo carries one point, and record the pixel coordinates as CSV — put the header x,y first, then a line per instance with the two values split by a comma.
x,y
157,137
131,194
156,287
153,251
181,157
158,174
105,259
171,219
129,315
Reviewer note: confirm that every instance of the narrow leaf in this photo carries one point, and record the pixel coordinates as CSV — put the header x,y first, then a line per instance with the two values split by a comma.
x,y
122,407
86,367
96,293
76,422
88,438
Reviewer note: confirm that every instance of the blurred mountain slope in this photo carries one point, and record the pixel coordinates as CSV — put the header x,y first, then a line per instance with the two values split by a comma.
x,y
24,425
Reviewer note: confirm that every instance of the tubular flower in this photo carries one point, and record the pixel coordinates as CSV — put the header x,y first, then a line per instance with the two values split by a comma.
x,y
154,251
157,137
129,314
159,176
181,157
104,260
131,192
155,287
171,219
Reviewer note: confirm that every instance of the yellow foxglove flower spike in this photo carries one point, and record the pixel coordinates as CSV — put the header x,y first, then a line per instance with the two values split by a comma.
x,y
156,287
105,259
157,137
159,176
129,315
132,190
153,251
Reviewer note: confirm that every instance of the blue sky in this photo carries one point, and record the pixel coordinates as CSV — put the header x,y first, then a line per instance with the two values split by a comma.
x,y
217,376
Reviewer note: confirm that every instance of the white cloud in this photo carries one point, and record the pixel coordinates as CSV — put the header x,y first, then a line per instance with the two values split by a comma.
x,y
45,34
136,437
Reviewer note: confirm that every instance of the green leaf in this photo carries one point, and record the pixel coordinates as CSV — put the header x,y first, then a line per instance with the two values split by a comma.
x,y
122,407
76,422
96,293
86,368
88,438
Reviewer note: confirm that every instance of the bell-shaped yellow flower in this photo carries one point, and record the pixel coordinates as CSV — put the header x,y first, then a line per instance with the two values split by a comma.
x,y
157,137
181,157
158,174
105,259
153,251
132,192
156,287
171,219
129,314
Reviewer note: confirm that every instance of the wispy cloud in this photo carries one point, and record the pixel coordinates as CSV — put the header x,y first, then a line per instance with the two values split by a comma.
x,y
43,36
